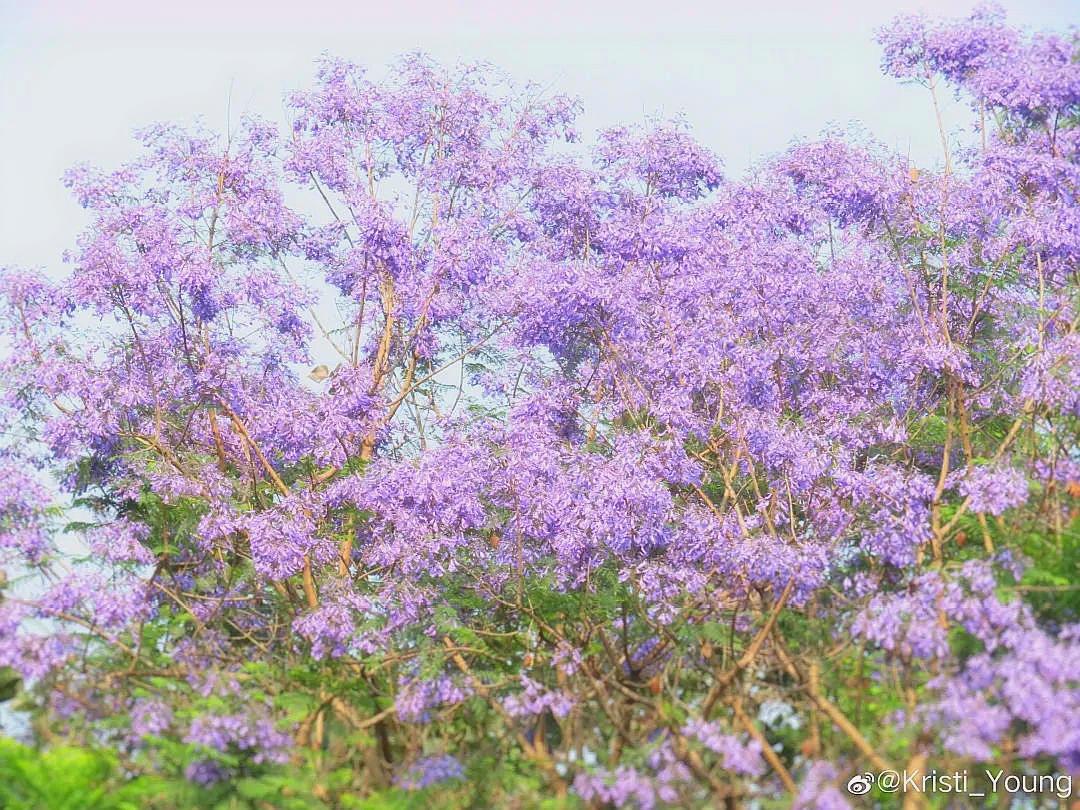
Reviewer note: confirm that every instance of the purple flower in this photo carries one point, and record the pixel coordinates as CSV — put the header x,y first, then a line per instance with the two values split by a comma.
x,y
993,489
428,771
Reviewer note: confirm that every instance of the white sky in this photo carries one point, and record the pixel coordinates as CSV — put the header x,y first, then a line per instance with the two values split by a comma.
x,y
749,76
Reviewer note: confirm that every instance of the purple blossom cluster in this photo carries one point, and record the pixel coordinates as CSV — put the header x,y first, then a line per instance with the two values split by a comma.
x,y
534,700
428,771
993,489
737,755
245,732
625,786
416,697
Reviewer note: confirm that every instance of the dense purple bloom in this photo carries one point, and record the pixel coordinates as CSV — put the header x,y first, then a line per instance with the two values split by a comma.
x,y
245,732
420,428
737,755
993,489
624,787
416,698
819,790
429,771
533,699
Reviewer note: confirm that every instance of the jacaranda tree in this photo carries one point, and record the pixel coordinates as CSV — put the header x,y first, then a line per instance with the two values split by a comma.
x,y
419,456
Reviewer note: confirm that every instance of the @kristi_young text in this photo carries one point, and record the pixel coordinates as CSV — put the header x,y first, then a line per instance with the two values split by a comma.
x,y
974,784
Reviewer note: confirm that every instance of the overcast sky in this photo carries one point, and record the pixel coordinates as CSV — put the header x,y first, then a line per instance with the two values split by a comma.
x,y
749,76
